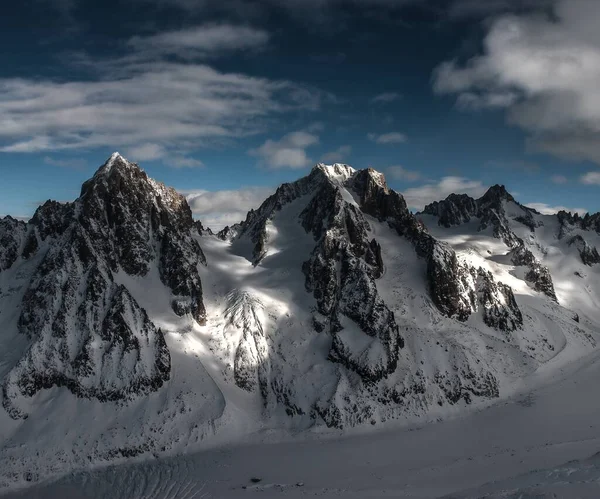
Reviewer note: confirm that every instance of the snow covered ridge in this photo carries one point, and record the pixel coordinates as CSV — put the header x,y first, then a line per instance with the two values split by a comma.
x,y
329,305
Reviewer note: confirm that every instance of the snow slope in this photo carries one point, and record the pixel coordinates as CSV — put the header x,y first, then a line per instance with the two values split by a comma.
x,y
330,310
543,442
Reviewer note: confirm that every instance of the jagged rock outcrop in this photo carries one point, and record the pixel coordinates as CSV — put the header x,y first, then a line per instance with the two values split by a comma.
x,y
203,230
537,274
491,211
570,221
589,254
341,274
88,332
127,214
251,364
457,209
12,236
500,309
448,280
344,265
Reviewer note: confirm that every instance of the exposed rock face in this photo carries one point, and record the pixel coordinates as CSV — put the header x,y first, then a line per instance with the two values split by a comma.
x,y
459,209
456,209
589,254
341,274
88,333
203,230
251,365
12,236
491,212
538,275
344,265
126,214
500,309
568,221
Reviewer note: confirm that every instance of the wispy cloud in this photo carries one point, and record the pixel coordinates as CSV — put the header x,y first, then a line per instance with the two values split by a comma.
x,y
205,41
591,178
150,103
216,209
418,197
546,209
388,138
287,152
543,70
183,162
559,179
385,98
146,152
340,155
400,173
72,163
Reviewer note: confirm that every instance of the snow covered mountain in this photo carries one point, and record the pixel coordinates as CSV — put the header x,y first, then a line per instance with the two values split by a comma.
x,y
127,329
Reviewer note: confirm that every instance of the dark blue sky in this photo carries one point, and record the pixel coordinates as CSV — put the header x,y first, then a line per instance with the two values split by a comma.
x,y
239,96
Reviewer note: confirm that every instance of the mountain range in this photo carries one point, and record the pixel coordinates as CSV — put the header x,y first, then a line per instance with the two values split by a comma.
x,y
129,329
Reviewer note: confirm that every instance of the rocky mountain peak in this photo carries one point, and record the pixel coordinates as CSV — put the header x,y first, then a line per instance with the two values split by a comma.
x,y
337,172
121,193
495,195
87,330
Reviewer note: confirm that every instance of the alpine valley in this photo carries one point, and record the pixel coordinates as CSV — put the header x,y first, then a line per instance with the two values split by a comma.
x,y
130,332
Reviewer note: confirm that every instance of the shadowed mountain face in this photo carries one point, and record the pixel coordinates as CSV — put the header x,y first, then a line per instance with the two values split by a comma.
x,y
87,331
331,304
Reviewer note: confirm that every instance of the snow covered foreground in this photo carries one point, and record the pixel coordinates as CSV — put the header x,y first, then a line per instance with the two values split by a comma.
x,y
539,444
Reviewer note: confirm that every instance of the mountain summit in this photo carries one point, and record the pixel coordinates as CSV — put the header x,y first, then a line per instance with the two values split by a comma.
x,y
88,333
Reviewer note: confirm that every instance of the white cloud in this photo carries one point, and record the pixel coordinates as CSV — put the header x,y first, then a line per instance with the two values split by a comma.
x,y
544,71
400,173
216,209
183,162
470,101
288,152
559,179
418,197
144,103
546,209
73,163
387,138
146,152
591,178
385,98
200,41
338,156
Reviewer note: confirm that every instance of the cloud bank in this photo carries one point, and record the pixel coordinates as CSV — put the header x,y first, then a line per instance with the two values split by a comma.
x,y
543,70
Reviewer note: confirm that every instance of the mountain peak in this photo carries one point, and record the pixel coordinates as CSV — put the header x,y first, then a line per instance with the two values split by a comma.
x,y
337,171
116,162
496,193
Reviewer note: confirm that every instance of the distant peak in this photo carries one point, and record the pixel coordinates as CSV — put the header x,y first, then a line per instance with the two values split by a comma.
x,y
497,193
